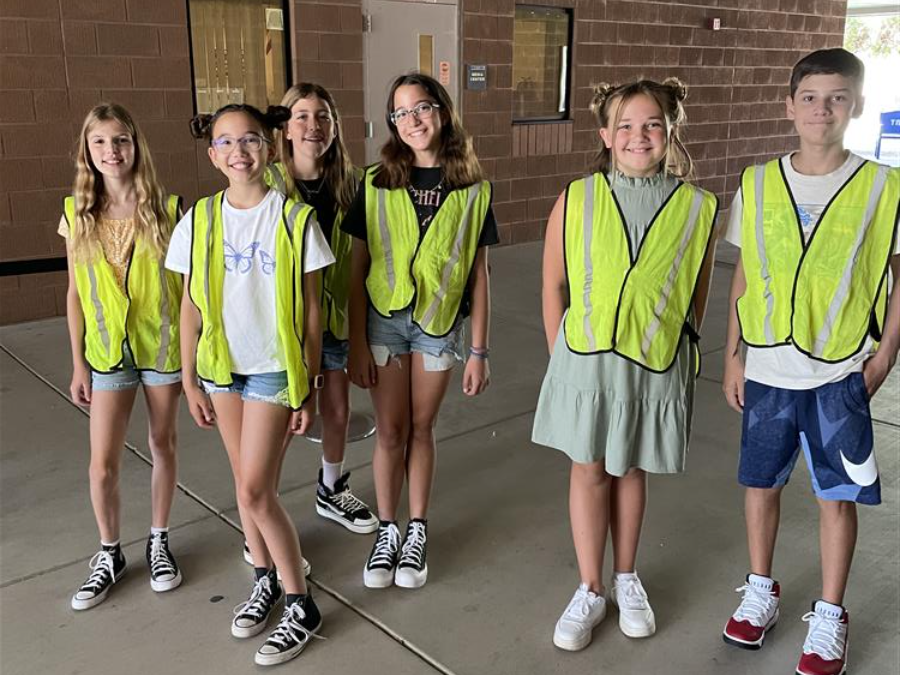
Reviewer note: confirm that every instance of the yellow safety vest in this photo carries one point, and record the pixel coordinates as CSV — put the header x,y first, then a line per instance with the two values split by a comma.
x,y
336,277
207,282
825,296
146,314
432,273
633,304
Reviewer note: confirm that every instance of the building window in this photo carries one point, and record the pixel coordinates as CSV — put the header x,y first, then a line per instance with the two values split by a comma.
x,y
239,52
541,63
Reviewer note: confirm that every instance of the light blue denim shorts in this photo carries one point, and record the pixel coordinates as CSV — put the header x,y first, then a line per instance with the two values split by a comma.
x,y
398,335
129,377
334,352
265,387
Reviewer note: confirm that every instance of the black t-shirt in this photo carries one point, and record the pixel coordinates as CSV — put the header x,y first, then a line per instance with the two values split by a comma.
x,y
318,195
427,192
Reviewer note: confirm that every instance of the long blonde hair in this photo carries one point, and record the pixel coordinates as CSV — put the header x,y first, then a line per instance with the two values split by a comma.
x,y
151,222
337,165
669,96
456,156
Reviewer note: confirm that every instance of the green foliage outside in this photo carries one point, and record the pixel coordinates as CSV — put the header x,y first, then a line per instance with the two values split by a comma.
x,y
871,38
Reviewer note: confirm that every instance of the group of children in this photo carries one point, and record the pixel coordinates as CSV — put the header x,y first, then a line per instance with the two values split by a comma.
x,y
264,301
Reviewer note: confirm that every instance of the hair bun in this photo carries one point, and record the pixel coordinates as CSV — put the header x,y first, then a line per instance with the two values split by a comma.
x,y
277,115
200,126
602,91
679,88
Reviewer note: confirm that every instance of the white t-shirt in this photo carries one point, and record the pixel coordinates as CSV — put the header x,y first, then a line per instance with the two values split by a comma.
x,y
784,366
248,312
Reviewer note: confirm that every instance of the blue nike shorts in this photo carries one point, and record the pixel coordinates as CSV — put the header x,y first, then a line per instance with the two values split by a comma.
x,y
831,424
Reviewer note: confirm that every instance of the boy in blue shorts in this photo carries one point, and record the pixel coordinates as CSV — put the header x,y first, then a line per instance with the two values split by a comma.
x,y
809,297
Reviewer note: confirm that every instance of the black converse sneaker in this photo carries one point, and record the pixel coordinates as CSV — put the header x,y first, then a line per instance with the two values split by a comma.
x,y
107,567
248,558
250,617
343,507
379,569
412,570
164,572
299,623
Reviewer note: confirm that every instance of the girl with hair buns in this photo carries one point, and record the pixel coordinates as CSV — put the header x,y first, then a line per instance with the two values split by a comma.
x,y
627,265
122,310
250,336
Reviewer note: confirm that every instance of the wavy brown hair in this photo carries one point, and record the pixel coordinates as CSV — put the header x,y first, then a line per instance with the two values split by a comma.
x,y
456,155
151,222
669,96
337,167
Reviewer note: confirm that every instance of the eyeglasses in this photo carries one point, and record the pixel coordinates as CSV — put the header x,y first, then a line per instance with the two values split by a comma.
x,y
422,112
249,143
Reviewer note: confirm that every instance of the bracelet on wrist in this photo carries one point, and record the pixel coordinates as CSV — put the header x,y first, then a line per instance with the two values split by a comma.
x,y
480,353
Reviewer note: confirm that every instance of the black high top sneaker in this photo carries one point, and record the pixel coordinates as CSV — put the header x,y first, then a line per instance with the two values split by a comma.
x,y
107,567
343,507
164,572
299,624
250,617
412,570
382,562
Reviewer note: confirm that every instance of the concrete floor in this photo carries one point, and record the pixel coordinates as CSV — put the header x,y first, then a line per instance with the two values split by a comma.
x,y
500,554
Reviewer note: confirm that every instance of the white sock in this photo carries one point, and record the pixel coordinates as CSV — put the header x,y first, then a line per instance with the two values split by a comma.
x,y
624,575
109,544
331,473
761,582
827,609
158,530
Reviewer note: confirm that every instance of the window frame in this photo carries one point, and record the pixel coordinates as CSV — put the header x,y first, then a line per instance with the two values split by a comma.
x,y
288,43
570,44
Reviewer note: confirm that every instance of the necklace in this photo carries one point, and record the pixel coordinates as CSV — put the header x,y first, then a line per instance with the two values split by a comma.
x,y
427,196
310,192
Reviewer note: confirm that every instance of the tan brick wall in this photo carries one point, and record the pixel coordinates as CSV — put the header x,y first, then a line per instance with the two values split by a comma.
x,y
737,78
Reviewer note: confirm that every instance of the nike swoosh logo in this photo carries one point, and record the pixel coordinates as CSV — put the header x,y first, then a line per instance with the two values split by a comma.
x,y
864,474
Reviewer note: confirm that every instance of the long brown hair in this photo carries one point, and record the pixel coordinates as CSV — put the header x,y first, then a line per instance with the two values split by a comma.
x,y
669,96
456,155
151,222
337,165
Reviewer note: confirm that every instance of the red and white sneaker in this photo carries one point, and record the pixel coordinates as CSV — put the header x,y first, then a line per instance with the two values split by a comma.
x,y
825,648
756,615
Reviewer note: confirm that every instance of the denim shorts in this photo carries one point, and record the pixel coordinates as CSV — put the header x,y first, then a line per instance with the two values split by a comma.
x,y
831,424
129,377
334,352
392,337
265,387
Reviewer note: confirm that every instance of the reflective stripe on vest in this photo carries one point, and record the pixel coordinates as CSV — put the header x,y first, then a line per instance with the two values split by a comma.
x,y
336,277
635,305
434,272
146,312
207,284
825,295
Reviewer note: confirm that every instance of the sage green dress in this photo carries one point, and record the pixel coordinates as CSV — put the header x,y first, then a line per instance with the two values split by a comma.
x,y
601,407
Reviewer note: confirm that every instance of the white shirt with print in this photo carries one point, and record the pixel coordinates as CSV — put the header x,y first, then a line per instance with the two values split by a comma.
x,y
248,313
785,366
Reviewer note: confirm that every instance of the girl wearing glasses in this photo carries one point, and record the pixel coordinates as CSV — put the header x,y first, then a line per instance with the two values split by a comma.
x,y
421,223
251,335
122,311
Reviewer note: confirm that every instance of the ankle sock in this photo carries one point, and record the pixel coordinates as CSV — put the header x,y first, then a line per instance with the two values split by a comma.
x,y
260,572
159,530
829,610
331,473
761,582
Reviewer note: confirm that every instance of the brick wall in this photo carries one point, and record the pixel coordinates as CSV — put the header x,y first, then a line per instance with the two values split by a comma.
x,y
737,77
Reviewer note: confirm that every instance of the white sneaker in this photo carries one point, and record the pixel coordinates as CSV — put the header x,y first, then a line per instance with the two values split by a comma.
x,y
636,619
575,627
248,558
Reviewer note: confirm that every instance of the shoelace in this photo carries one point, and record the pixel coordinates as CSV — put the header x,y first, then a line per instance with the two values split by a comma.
x,y
161,561
827,637
289,630
756,606
259,602
580,605
630,594
347,501
103,571
414,547
386,546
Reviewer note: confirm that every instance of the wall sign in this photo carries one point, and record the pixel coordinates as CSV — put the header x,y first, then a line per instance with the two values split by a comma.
x,y
444,73
476,77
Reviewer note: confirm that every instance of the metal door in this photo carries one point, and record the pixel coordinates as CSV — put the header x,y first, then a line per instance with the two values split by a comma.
x,y
402,36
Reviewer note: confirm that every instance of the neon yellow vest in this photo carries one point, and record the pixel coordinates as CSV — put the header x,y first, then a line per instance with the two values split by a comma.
x,y
432,273
207,282
336,277
146,313
633,304
826,296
